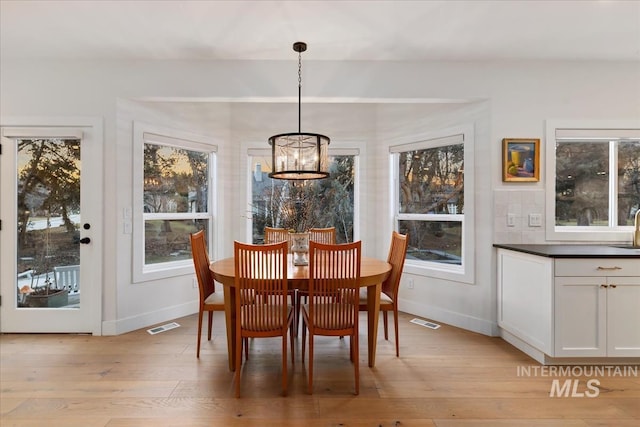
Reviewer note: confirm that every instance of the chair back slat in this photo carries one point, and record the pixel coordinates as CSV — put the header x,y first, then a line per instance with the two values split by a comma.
x,y
275,235
323,235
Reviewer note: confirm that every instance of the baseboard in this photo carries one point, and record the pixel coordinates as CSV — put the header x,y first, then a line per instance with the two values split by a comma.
x,y
527,349
459,320
544,359
145,320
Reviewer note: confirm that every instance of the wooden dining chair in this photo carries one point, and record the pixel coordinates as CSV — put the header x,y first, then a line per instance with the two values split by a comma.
x,y
323,235
210,300
332,308
389,296
275,235
262,308
320,235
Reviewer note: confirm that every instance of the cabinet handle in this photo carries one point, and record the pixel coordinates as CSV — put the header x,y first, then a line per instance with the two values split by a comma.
x,y
610,268
603,286
613,286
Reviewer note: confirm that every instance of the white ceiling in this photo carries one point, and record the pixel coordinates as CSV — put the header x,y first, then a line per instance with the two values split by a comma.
x,y
334,30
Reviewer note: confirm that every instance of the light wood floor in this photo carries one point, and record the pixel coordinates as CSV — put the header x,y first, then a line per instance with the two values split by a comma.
x,y
446,377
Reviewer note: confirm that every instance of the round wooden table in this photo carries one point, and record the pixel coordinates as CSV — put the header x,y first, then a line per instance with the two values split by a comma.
x,y
372,273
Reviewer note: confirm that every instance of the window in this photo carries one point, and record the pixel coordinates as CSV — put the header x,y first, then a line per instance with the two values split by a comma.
x,y
300,205
173,200
595,177
434,203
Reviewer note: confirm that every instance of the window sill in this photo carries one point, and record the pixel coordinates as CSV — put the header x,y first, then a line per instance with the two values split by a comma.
x,y
448,273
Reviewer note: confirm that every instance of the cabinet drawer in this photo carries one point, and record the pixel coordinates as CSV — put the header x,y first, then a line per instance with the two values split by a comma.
x,y
597,267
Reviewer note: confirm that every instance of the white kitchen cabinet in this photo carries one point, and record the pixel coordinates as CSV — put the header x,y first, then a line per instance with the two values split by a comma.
x,y
597,308
525,298
559,307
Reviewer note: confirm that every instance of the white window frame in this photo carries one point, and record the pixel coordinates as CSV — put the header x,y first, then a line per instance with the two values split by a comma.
x,y
148,133
464,134
583,128
266,152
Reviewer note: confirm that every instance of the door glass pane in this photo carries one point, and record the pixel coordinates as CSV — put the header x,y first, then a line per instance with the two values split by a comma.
x,y
582,184
48,202
628,181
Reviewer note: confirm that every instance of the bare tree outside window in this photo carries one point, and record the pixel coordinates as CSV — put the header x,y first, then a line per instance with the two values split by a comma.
x,y
175,191
583,180
431,202
301,205
48,201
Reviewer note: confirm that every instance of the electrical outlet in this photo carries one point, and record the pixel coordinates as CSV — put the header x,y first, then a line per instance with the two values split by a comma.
x,y
511,220
535,220
410,283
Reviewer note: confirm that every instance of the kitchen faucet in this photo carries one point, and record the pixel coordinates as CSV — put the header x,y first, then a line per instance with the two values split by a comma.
x,y
636,230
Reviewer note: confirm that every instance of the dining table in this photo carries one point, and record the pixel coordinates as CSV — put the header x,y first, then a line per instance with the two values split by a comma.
x,y
373,272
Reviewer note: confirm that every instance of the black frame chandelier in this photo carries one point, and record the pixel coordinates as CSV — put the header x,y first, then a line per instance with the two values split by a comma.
x,y
299,156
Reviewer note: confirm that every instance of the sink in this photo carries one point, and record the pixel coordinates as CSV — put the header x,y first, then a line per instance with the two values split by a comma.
x,y
634,248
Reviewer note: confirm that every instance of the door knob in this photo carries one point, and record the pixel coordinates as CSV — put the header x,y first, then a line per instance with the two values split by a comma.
x,y
85,240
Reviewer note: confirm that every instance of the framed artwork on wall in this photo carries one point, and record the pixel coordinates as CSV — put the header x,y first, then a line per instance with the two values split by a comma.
x,y
520,159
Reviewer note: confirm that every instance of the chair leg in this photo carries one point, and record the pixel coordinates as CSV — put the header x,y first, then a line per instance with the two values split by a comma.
x,y
351,348
293,361
296,318
304,338
284,363
200,313
310,367
395,324
246,348
386,325
210,325
238,345
356,362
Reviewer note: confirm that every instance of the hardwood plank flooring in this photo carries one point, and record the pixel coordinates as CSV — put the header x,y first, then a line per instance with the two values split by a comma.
x,y
444,378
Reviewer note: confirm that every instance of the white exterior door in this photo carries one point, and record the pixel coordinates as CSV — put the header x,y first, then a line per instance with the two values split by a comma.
x,y
51,211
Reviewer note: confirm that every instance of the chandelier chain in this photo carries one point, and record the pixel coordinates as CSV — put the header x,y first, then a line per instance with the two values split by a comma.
x,y
299,91
299,69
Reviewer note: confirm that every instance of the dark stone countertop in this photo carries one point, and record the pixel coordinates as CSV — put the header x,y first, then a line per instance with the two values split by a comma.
x,y
574,251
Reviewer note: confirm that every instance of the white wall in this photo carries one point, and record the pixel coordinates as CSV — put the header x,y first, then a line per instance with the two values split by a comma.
x,y
511,99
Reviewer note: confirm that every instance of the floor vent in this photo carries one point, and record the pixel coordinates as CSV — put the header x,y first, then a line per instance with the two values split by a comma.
x,y
163,328
425,323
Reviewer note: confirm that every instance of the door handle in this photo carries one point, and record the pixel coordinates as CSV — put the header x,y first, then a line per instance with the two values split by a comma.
x,y
85,240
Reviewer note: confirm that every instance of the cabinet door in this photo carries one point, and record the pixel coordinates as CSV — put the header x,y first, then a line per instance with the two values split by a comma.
x,y
623,317
580,316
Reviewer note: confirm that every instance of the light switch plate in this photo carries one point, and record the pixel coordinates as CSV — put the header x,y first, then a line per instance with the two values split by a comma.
x,y
511,220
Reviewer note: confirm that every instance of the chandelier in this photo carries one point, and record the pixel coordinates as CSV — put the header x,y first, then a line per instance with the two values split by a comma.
x,y
299,156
